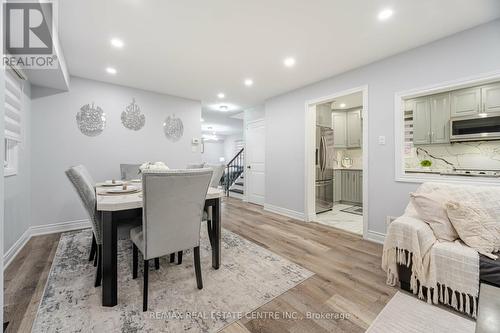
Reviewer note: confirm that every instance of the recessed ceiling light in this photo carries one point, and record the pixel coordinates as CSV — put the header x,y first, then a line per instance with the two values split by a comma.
x,y
248,82
385,14
289,62
342,105
202,120
223,107
116,42
221,95
111,70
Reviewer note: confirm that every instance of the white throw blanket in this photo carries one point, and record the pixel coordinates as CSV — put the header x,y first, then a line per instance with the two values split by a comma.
x,y
436,265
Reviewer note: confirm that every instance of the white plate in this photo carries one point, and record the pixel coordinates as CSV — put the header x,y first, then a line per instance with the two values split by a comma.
x,y
130,189
110,183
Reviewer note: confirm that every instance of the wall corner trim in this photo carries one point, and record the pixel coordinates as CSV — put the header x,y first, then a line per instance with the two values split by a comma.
x,y
375,236
285,212
32,231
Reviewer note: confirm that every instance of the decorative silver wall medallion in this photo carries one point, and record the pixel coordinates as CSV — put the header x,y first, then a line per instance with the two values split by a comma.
x,y
132,117
173,128
91,120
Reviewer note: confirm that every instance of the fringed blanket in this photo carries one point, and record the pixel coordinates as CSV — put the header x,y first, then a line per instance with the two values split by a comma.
x,y
435,265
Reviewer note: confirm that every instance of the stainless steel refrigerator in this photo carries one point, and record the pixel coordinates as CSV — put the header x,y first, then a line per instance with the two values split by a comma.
x,y
324,169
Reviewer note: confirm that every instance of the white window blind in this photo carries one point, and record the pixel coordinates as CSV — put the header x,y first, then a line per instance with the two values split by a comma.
x,y
13,106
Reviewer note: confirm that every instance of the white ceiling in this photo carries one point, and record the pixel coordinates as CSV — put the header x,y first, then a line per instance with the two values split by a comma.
x,y
221,124
348,101
198,48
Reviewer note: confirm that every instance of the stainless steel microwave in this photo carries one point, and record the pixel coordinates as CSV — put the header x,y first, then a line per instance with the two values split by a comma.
x,y
475,128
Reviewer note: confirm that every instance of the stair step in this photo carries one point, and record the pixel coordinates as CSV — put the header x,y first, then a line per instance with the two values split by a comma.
x,y
239,183
235,190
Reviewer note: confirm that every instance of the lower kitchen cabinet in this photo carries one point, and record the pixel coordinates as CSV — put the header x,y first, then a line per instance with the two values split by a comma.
x,y
348,186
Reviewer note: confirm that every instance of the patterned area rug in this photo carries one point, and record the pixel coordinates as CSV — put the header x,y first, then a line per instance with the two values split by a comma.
x,y
249,277
406,313
358,210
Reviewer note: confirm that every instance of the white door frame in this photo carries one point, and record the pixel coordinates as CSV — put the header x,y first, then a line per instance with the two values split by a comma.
x,y
245,184
310,142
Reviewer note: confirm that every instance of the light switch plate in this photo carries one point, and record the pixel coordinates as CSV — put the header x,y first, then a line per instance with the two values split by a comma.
x,y
381,140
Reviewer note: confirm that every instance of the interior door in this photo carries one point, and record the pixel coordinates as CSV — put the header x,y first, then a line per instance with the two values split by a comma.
x,y
255,162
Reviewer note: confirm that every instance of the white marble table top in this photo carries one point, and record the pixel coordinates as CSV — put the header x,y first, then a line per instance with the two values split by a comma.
x,y
115,202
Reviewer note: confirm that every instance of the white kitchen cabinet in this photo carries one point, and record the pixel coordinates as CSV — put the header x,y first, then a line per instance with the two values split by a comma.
x,y
421,121
490,98
431,119
354,129
339,129
465,102
440,118
324,115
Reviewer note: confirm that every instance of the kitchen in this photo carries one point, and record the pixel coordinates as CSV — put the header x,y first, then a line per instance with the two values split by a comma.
x,y
454,133
338,159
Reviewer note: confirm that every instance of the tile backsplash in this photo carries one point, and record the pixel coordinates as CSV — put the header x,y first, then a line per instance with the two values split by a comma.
x,y
355,154
467,155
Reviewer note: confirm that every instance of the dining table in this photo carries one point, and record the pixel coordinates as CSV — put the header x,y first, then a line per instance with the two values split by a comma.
x,y
111,206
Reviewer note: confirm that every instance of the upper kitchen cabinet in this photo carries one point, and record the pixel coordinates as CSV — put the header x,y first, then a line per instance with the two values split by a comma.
x,y
354,131
440,118
324,115
421,121
465,102
490,98
431,119
339,129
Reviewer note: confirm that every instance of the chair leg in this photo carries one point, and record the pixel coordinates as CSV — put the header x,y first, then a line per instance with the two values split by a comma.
x,y
135,255
98,276
209,230
145,290
157,263
197,267
172,257
179,257
92,248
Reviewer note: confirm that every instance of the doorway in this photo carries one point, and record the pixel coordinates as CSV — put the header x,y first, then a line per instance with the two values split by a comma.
x,y
255,162
337,160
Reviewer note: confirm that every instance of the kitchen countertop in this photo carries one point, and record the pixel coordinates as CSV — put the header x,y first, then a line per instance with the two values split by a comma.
x,y
353,169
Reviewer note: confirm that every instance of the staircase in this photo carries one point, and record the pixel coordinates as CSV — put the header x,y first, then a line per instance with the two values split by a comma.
x,y
237,190
234,184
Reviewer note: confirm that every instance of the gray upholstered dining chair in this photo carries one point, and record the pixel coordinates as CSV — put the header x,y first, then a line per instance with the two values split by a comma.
x,y
129,171
173,204
218,171
195,165
84,186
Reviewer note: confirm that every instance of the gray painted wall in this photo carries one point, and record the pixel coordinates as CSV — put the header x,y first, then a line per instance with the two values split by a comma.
x,y
17,211
58,144
212,152
471,52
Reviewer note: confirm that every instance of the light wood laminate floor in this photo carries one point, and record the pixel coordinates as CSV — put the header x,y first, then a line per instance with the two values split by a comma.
x,y
348,278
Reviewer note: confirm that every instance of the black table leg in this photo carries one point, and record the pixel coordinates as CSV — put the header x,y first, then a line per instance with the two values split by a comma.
x,y
216,233
109,259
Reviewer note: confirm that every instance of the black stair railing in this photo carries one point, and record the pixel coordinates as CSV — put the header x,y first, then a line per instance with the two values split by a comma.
x,y
234,169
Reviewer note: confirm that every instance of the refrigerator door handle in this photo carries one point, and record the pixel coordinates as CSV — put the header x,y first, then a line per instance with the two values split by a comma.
x,y
316,156
323,146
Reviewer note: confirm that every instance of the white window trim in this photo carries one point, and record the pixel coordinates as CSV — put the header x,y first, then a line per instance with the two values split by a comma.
x,y
12,140
12,158
399,128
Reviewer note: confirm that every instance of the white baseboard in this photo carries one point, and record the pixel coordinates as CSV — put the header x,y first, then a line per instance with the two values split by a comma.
x,y
285,212
32,231
375,236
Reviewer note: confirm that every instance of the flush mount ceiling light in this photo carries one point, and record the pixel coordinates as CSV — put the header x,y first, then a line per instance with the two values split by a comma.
x,y
111,70
116,42
202,120
223,107
248,82
289,62
342,105
221,95
385,14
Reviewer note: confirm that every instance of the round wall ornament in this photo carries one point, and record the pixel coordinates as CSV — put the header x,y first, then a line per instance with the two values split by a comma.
x,y
173,128
132,117
91,120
